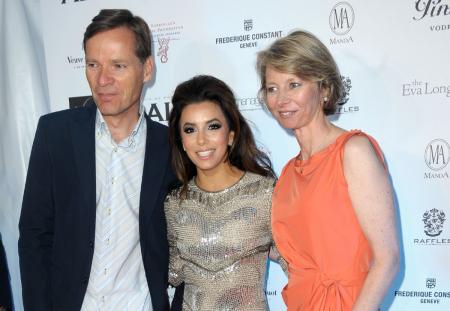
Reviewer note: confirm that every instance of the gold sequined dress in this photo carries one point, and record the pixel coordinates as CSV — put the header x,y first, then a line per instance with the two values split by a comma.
x,y
219,242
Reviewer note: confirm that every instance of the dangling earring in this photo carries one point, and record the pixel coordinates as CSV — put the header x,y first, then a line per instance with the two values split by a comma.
x,y
325,99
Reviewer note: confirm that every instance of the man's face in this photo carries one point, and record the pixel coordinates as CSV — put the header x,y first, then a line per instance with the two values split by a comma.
x,y
115,74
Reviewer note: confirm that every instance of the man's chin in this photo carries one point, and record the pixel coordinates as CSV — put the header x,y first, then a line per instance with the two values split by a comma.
x,y
104,108
105,112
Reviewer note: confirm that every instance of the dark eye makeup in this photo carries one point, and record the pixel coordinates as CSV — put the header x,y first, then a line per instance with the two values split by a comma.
x,y
188,129
215,126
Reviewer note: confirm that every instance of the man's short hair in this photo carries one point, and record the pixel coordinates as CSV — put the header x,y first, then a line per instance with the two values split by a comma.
x,y
109,19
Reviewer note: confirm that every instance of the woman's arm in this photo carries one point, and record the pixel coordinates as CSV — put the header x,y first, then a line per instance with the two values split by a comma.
x,y
371,195
175,262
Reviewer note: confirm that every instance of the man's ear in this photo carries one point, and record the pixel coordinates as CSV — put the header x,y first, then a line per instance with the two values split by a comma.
x,y
148,69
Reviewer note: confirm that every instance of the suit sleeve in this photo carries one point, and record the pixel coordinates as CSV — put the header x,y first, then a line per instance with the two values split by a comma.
x,y
5,287
36,226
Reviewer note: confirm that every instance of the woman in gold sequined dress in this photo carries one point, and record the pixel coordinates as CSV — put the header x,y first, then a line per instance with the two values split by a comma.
x,y
219,219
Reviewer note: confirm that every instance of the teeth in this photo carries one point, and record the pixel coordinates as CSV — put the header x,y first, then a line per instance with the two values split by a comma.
x,y
286,113
204,153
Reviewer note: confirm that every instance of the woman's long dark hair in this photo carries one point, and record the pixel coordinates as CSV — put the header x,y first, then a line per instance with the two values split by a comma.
x,y
243,153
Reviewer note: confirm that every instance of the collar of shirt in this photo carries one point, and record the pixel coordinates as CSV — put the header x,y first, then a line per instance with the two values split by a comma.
x,y
101,128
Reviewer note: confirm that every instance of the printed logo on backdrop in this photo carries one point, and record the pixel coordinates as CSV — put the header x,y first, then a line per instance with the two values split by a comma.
x,y
77,62
430,283
341,20
436,157
249,103
248,24
437,154
433,10
434,222
158,108
163,49
271,294
342,106
424,296
247,38
163,35
425,88
433,226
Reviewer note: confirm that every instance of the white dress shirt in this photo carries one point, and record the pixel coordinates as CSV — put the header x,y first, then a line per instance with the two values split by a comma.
x,y
117,279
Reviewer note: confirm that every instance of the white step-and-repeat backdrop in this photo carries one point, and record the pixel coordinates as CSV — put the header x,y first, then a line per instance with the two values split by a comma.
x,y
393,54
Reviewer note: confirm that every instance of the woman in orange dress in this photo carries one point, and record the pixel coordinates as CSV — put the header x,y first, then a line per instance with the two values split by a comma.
x,y
333,218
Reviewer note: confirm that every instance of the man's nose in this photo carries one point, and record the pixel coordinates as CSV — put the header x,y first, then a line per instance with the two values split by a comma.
x,y
104,77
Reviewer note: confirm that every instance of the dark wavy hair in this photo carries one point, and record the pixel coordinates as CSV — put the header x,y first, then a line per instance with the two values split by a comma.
x,y
109,19
243,153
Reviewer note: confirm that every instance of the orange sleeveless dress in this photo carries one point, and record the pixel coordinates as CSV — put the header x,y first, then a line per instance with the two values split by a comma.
x,y
316,231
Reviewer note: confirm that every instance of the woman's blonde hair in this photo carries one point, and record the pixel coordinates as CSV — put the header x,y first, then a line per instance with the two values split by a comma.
x,y
304,55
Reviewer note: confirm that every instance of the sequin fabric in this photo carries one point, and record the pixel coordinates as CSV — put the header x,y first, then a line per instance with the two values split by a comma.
x,y
219,242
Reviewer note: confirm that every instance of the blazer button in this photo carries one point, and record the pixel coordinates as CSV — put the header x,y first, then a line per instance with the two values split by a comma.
x,y
91,244
85,280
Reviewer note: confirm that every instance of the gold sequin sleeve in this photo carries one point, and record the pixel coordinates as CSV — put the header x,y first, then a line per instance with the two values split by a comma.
x,y
175,261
